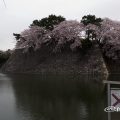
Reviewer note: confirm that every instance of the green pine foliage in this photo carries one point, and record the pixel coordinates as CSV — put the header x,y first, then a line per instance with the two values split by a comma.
x,y
91,19
48,22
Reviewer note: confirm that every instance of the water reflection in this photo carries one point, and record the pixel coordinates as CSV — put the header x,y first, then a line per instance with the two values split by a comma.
x,y
7,99
52,97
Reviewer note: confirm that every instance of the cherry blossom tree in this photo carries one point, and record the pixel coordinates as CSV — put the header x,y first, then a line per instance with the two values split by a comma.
x,y
31,37
65,32
73,33
110,38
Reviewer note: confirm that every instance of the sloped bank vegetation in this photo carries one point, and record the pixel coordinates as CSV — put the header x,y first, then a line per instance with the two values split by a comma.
x,y
54,44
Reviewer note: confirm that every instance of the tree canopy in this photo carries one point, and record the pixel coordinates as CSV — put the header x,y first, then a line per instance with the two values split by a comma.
x,y
17,36
48,22
106,31
91,19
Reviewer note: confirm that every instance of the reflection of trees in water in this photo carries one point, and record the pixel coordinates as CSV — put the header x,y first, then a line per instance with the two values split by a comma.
x,y
59,97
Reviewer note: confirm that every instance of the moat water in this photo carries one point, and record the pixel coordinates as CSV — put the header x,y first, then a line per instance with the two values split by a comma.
x,y
53,97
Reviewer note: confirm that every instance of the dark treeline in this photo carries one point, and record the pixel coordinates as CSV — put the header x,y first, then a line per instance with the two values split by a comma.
x,y
4,56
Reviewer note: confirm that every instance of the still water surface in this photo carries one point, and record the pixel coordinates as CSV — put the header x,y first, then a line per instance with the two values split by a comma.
x,y
52,97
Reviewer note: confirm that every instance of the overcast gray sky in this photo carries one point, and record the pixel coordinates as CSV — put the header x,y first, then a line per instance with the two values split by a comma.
x,y
19,14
